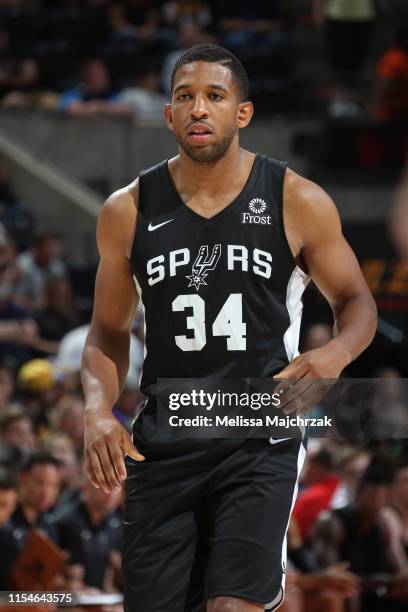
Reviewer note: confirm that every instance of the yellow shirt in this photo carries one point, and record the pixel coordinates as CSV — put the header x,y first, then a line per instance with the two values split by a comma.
x,y
349,10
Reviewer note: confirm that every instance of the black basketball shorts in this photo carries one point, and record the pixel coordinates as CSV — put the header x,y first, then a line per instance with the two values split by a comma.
x,y
206,519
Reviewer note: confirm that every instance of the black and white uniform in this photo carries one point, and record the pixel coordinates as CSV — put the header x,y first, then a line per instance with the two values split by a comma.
x,y
222,298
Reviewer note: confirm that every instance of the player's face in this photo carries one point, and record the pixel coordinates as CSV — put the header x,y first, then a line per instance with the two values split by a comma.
x,y
205,112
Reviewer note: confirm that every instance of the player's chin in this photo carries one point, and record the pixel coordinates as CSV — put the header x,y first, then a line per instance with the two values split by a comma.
x,y
202,153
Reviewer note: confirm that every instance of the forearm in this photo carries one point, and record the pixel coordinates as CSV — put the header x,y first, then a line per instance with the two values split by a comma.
x,y
355,326
105,364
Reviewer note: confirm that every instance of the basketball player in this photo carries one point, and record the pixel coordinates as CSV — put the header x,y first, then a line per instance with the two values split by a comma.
x,y
219,244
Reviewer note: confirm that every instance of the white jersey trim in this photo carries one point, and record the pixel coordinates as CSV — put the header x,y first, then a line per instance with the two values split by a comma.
x,y
276,602
296,286
139,291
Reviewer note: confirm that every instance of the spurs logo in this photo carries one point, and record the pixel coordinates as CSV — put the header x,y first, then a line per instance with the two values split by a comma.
x,y
203,264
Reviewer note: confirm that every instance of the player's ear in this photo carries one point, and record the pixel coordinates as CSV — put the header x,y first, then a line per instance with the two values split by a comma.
x,y
244,114
168,115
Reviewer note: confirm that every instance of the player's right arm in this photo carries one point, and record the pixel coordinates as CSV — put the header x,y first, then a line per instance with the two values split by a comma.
x,y
106,355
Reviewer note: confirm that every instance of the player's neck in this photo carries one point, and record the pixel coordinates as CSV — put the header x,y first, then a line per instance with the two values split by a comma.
x,y
212,178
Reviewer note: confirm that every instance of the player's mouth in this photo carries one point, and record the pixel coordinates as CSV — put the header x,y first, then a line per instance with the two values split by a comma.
x,y
200,133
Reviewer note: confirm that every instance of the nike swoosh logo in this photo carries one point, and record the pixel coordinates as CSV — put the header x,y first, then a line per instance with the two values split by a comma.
x,y
151,227
276,441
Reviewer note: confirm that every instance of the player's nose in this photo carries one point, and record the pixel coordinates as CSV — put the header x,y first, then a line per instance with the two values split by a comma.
x,y
199,108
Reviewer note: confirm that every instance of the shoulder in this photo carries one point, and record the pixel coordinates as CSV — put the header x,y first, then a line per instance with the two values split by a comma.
x,y
305,195
308,207
122,203
117,219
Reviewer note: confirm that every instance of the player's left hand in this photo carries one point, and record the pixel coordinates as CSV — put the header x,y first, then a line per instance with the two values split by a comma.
x,y
307,379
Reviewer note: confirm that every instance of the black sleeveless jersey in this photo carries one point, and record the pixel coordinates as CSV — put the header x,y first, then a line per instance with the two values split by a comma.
x,y
222,296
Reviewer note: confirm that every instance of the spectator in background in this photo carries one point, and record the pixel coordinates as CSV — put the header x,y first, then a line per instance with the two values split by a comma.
x,y
188,35
14,215
37,392
351,467
253,26
38,489
357,534
18,331
349,26
38,264
177,13
145,15
144,99
321,482
91,531
16,430
399,218
388,391
68,362
321,590
395,516
8,496
129,403
122,31
58,315
391,85
7,385
94,96
317,335
68,417
61,446
18,75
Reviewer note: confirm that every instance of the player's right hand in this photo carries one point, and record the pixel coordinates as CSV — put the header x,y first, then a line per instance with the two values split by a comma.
x,y
106,442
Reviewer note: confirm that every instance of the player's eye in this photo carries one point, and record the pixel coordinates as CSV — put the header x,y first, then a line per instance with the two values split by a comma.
x,y
216,96
183,96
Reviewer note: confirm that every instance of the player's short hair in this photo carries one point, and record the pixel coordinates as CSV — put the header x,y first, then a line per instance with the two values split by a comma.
x,y
214,54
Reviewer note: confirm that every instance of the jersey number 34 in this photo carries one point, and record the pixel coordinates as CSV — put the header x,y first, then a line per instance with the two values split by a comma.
x,y
228,323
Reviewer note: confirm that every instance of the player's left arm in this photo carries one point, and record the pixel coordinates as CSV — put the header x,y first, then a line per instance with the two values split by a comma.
x,y
315,236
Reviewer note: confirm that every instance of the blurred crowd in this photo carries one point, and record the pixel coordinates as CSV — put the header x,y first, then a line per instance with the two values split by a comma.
x,y
98,57
43,486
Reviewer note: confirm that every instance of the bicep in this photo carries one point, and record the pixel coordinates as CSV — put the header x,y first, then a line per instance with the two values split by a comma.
x,y
335,270
329,258
116,297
